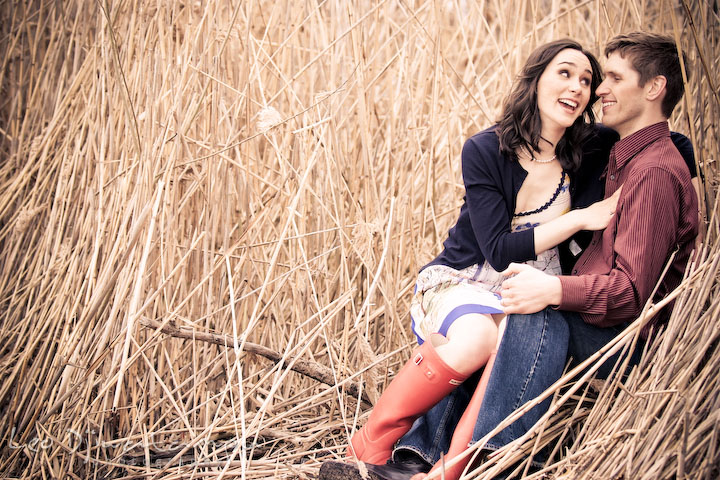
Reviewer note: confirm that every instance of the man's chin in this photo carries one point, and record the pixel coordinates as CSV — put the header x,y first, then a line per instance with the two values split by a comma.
x,y
607,121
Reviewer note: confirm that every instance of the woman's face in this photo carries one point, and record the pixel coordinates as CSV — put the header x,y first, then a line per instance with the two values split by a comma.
x,y
563,89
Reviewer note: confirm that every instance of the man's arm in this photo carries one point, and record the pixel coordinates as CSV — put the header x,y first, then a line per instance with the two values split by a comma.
x,y
589,187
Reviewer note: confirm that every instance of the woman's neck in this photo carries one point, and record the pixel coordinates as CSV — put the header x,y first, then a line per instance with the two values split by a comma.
x,y
549,139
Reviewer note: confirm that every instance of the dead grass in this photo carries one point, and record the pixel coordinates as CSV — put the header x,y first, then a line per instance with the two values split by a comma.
x,y
211,217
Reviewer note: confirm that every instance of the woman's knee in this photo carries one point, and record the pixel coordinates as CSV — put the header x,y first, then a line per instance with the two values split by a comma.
x,y
473,337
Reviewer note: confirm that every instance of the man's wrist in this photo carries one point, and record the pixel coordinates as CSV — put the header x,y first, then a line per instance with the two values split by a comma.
x,y
554,291
572,293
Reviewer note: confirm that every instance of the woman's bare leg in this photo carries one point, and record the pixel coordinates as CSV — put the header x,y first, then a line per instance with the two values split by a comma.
x,y
468,343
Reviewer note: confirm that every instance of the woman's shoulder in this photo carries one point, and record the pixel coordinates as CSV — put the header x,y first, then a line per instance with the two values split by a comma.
x,y
483,162
485,138
483,146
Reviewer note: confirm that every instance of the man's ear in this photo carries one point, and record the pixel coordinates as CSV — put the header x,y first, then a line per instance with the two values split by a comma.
x,y
656,87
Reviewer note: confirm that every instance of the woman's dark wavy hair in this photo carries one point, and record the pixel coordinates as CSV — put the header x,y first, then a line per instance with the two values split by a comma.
x,y
520,125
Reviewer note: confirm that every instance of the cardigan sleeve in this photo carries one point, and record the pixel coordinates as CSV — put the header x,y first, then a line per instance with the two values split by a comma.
x,y
490,197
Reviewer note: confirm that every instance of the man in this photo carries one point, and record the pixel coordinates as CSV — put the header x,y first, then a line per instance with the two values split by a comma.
x,y
576,315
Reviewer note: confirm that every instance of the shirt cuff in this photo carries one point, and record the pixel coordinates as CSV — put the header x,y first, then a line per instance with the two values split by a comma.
x,y
573,293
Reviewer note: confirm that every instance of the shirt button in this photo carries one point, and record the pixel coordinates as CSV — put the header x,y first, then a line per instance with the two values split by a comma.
x,y
575,272
612,177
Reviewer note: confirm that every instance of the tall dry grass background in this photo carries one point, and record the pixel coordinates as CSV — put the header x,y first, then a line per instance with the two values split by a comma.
x,y
212,214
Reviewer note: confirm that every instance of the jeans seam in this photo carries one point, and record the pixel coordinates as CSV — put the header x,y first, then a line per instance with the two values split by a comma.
x,y
531,373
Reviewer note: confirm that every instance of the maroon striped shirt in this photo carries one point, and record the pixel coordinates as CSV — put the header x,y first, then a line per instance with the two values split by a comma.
x,y
657,214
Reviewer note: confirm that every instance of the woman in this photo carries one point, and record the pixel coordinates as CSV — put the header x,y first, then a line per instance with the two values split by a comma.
x,y
517,176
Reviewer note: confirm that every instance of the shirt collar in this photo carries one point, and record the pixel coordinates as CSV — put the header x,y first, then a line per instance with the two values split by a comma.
x,y
631,145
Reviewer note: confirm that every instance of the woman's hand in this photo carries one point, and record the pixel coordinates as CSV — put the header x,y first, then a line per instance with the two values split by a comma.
x,y
595,217
598,215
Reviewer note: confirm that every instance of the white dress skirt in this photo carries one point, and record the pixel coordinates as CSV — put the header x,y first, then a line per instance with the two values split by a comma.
x,y
443,294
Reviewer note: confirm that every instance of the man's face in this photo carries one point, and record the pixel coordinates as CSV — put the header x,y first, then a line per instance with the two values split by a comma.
x,y
623,99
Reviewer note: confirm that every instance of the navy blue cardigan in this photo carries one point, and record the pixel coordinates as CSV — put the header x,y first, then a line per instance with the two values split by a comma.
x,y
482,231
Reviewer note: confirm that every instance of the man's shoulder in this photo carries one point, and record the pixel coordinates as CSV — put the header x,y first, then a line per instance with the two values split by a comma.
x,y
661,155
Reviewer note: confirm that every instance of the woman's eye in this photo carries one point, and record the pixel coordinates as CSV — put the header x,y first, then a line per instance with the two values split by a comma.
x,y
564,73
585,81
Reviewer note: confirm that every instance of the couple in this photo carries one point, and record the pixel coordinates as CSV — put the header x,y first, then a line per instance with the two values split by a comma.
x,y
516,235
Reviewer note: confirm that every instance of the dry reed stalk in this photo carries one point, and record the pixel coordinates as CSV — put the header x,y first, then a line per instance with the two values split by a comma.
x,y
308,157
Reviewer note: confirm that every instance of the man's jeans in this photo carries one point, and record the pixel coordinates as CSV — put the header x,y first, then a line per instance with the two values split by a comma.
x,y
532,356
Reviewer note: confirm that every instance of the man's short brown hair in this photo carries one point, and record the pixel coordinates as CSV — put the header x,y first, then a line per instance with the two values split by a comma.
x,y
652,54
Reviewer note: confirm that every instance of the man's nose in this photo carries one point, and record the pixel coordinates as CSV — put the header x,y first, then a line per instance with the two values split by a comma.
x,y
601,90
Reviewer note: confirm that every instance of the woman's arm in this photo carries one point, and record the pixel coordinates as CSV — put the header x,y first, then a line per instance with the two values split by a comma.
x,y
490,182
595,217
489,194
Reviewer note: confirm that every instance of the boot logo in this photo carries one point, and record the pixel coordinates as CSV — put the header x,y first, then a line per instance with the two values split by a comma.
x,y
455,382
417,360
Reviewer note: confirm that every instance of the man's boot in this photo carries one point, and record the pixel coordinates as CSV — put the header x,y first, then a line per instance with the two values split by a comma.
x,y
402,469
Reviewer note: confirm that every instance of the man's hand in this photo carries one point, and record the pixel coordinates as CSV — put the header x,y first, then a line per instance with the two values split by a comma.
x,y
529,290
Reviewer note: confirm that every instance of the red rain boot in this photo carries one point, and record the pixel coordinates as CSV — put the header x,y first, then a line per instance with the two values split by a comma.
x,y
464,430
422,382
